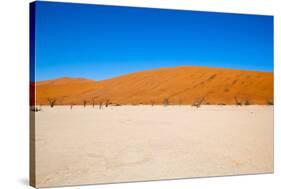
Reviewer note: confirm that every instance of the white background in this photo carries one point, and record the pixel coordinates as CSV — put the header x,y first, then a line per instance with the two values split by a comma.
x,y
14,39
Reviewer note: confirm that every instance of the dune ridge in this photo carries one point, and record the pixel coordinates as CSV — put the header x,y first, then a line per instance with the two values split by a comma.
x,y
177,85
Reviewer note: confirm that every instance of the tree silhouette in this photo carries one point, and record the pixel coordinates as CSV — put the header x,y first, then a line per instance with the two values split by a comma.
x,y
94,101
197,103
52,102
71,105
270,102
100,104
166,101
107,102
84,103
237,102
247,102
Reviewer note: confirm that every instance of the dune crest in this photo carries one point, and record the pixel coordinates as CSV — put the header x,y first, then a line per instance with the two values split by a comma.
x,y
178,85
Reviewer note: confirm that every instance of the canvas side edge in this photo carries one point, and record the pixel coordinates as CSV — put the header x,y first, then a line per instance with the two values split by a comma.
x,y
32,162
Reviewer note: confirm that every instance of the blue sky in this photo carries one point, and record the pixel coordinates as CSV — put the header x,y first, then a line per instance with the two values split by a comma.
x,y
101,42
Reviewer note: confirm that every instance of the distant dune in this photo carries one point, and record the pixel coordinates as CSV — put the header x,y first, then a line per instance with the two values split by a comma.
x,y
178,85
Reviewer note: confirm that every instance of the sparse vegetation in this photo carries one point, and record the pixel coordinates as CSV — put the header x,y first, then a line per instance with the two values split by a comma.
x,y
35,109
270,102
166,101
52,102
94,101
197,103
107,102
101,104
84,103
247,102
71,105
237,102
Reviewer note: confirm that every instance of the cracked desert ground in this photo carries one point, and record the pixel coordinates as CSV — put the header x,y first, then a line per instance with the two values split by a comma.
x,y
137,143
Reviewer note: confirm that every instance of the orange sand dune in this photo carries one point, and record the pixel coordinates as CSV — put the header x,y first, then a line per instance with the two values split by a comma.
x,y
63,89
178,85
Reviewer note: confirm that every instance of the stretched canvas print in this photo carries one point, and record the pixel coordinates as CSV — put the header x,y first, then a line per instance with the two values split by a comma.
x,y
123,94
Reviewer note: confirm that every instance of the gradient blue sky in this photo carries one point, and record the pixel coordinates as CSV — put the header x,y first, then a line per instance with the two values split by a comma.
x,y
100,42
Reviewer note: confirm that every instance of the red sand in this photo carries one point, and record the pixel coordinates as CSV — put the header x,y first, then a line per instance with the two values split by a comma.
x,y
179,85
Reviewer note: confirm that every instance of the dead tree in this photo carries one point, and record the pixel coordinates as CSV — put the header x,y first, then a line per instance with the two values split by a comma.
x,y
35,109
198,103
100,104
201,101
247,102
71,105
93,102
166,101
52,102
270,102
152,102
237,102
107,102
84,103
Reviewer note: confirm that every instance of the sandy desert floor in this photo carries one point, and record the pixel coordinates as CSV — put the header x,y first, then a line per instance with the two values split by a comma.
x,y
135,143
